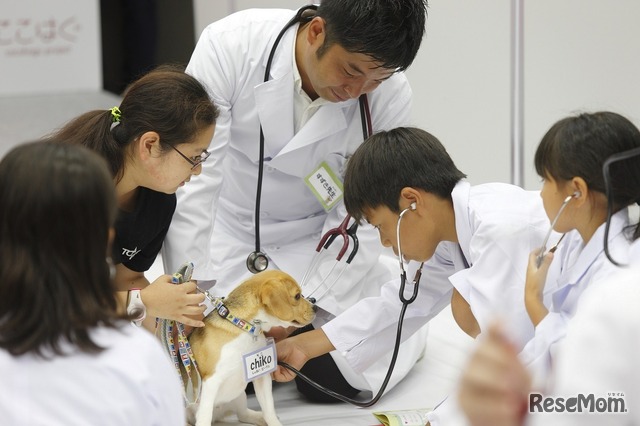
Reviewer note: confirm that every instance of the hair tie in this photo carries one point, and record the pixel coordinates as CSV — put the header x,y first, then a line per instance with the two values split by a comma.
x,y
115,115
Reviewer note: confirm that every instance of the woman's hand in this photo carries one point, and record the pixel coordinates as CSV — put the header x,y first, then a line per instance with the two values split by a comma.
x,y
179,302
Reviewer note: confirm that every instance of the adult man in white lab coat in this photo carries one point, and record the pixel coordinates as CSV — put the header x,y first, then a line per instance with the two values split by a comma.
x,y
306,106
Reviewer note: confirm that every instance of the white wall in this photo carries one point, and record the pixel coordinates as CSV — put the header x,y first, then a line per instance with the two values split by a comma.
x,y
578,55
49,47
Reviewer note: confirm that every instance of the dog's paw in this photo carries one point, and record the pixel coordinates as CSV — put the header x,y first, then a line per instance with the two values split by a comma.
x,y
252,417
190,412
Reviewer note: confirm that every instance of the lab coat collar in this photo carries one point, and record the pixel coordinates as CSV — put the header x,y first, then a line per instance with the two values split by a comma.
x,y
274,97
328,120
460,198
275,111
595,247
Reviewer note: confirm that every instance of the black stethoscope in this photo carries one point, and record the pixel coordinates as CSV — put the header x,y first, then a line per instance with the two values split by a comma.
x,y
406,301
257,261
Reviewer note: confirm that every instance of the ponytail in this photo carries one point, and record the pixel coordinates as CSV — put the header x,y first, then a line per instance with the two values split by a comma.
x,y
94,130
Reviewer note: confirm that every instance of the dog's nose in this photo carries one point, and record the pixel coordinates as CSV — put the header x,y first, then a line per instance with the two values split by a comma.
x,y
312,300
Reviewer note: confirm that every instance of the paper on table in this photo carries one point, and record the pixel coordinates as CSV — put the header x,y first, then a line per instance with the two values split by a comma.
x,y
403,417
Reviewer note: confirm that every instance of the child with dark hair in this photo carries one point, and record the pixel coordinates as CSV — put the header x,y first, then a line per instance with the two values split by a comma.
x,y
67,356
471,243
588,203
590,163
154,142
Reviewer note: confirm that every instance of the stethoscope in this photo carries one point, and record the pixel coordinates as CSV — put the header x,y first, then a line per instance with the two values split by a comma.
x,y
346,232
257,261
406,301
565,202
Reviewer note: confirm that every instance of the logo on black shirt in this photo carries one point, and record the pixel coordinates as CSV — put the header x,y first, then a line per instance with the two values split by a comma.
x,y
130,253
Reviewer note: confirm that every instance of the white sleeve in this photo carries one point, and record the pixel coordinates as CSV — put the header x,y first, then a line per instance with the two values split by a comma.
x,y
599,354
538,353
494,284
164,389
190,235
367,330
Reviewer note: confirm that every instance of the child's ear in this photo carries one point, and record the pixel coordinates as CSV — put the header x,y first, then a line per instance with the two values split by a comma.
x,y
411,196
580,190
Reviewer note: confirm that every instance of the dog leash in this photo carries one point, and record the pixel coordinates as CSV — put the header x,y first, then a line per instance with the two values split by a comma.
x,y
168,331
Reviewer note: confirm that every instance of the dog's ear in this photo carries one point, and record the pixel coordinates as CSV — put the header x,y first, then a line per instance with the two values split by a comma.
x,y
273,294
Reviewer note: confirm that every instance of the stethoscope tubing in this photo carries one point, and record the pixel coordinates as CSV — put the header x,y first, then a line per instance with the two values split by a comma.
x,y
367,130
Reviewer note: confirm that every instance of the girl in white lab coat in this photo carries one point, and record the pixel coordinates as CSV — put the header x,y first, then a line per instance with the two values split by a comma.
x,y
599,356
154,142
570,159
67,356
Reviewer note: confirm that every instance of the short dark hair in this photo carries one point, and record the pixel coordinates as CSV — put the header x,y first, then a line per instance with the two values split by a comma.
x,y
389,31
165,100
57,204
391,160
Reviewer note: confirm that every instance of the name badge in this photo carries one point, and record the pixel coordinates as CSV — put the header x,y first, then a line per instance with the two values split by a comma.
x,y
260,362
325,185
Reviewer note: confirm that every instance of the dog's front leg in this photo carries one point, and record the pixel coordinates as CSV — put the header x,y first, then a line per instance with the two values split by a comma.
x,y
264,394
210,389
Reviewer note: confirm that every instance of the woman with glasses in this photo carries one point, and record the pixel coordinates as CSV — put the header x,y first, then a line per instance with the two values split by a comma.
x,y
153,142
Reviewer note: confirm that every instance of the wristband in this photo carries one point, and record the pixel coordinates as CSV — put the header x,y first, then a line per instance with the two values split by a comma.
x,y
135,306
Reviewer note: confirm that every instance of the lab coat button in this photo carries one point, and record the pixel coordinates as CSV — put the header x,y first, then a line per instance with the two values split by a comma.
x,y
269,169
264,214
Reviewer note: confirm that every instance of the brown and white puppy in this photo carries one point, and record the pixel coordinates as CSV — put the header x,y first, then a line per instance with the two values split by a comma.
x,y
274,299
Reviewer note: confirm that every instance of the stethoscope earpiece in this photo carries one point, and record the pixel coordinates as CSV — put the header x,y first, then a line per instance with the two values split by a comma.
x,y
257,262
576,194
413,205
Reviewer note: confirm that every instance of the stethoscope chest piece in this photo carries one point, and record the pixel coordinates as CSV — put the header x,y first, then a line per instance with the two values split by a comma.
x,y
257,262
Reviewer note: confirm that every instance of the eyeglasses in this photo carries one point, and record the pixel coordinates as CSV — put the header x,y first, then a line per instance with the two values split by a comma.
x,y
194,161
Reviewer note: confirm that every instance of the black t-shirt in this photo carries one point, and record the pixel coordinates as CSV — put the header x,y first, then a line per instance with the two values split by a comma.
x,y
140,233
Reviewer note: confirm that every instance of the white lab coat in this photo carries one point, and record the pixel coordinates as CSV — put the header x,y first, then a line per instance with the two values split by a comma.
x,y
598,355
131,382
600,352
580,266
213,225
497,225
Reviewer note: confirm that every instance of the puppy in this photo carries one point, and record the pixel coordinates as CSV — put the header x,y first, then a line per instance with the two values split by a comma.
x,y
271,299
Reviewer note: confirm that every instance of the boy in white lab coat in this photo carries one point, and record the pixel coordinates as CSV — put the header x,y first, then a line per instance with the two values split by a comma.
x,y
474,242
306,106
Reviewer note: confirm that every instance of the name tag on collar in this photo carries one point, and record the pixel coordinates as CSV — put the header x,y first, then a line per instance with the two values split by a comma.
x,y
325,185
260,362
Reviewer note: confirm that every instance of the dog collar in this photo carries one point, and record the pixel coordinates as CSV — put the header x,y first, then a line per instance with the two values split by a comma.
x,y
254,328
